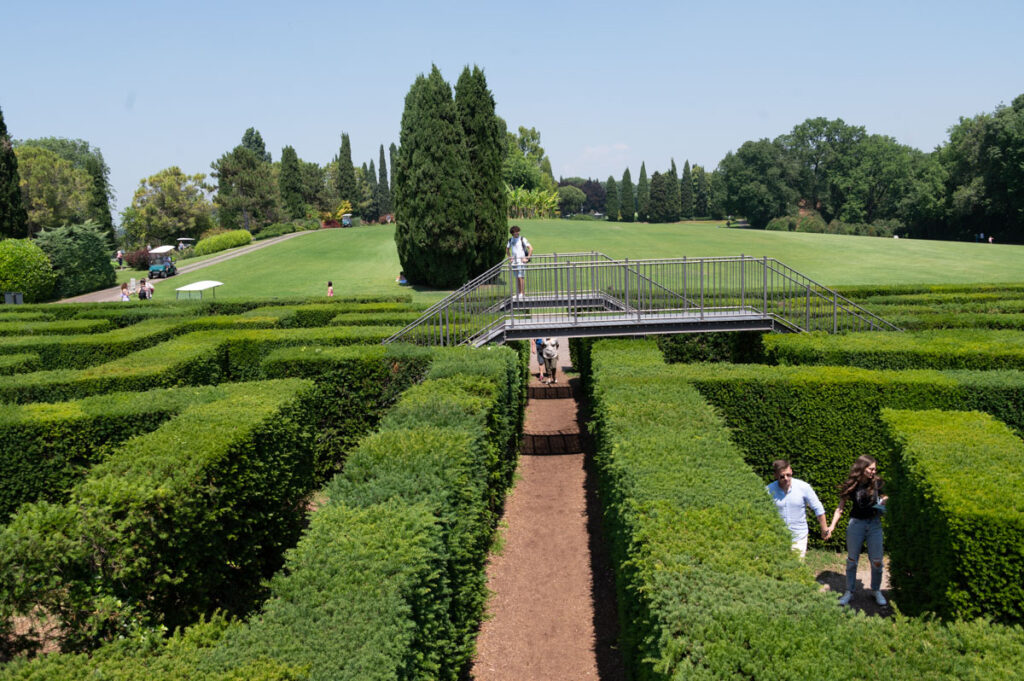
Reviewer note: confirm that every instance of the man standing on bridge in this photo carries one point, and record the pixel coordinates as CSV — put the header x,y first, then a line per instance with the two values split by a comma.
x,y
793,497
518,250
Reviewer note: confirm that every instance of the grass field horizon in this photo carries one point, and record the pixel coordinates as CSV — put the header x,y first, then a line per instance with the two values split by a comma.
x,y
363,261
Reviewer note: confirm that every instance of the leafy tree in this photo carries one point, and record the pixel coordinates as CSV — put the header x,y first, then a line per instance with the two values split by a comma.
x,y
643,196
54,192
485,137
873,186
757,182
82,156
383,188
526,163
661,206
570,199
592,189
686,194
25,269
531,203
13,217
313,183
822,152
611,199
290,184
253,141
701,192
717,196
435,232
80,255
364,192
345,179
246,191
627,201
168,205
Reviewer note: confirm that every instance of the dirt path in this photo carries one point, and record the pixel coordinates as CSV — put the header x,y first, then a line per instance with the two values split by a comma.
x,y
552,612
114,294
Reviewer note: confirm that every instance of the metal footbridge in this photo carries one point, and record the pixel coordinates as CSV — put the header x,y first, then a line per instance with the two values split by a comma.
x,y
591,294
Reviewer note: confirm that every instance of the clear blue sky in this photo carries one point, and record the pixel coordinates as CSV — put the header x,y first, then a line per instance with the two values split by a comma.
x,y
608,85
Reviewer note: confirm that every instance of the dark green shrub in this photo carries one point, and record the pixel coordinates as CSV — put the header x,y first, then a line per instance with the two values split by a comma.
x,y
59,328
785,223
811,223
19,364
738,347
956,526
80,255
24,268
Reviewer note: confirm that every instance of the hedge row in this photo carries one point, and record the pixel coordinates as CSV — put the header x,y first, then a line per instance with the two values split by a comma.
x,y
867,292
707,585
399,319
19,364
223,241
389,580
45,448
56,328
978,349
199,358
175,523
822,418
956,528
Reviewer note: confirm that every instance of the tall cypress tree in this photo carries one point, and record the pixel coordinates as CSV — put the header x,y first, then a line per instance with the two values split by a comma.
x,y
99,203
686,202
627,202
701,192
290,184
13,216
643,196
611,199
673,195
383,188
371,180
392,155
346,177
435,233
485,140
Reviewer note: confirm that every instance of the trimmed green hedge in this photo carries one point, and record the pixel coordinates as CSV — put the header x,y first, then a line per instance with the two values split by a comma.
x,y
707,585
398,319
46,447
58,328
222,242
173,524
956,528
979,349
19,364
199,358
77,351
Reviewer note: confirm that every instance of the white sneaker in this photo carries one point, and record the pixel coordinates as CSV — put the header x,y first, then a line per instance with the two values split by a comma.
x,y
880,599
845,598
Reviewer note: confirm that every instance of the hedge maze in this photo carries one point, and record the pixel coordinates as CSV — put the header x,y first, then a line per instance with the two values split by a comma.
x,y
707,585
232,491
263,491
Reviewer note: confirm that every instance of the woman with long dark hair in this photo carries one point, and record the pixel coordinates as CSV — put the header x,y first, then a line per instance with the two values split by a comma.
x,y
862,490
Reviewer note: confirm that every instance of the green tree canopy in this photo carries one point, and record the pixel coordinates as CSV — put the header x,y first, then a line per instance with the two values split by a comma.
x,y
54,192
435,232
247,195
526,164
345,175
13,217
253,141
758,182
570,199
643,196
80,255
383,186
168,205
611,199
485,137
290,184
25,269
627,200
686,194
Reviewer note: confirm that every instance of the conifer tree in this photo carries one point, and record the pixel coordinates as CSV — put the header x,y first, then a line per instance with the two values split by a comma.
x,y
643,196
290,184
673,195
660,207
435,232
371,180
686,203
392,155
345,180
253,141
383,187
485,138
611,199
13,216
627,202
701,192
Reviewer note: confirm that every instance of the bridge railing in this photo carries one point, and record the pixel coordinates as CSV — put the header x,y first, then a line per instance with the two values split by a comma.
x,y
591,288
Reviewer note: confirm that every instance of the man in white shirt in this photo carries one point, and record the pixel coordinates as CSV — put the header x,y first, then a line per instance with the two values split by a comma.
x,y
518,250
793,497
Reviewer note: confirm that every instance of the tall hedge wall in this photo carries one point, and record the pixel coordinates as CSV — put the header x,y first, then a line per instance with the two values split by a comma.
x,y
956,528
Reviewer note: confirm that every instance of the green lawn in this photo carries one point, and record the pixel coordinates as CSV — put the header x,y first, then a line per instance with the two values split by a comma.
x,y
363,260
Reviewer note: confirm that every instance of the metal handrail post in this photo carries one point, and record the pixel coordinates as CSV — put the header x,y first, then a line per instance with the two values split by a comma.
x,y
807,309
743,281
702,289
835,311
625,284
764,265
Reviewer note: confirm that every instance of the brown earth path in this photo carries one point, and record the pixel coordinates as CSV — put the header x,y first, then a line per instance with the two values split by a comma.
x,y
552,613
114,294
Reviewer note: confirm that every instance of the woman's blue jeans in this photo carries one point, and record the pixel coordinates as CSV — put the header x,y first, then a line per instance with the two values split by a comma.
x,y
857,532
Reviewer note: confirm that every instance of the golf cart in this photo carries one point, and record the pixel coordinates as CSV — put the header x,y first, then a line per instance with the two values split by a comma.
x,y
160,264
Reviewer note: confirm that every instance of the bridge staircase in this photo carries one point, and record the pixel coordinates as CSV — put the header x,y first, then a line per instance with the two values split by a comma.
x,y
591,294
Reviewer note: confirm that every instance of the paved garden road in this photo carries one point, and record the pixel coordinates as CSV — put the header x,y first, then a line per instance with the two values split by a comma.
x,y
114,294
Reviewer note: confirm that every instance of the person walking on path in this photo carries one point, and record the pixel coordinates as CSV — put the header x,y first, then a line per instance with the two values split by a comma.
x,y
861,490
539,344
793,497
518,250
125,293
550,354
